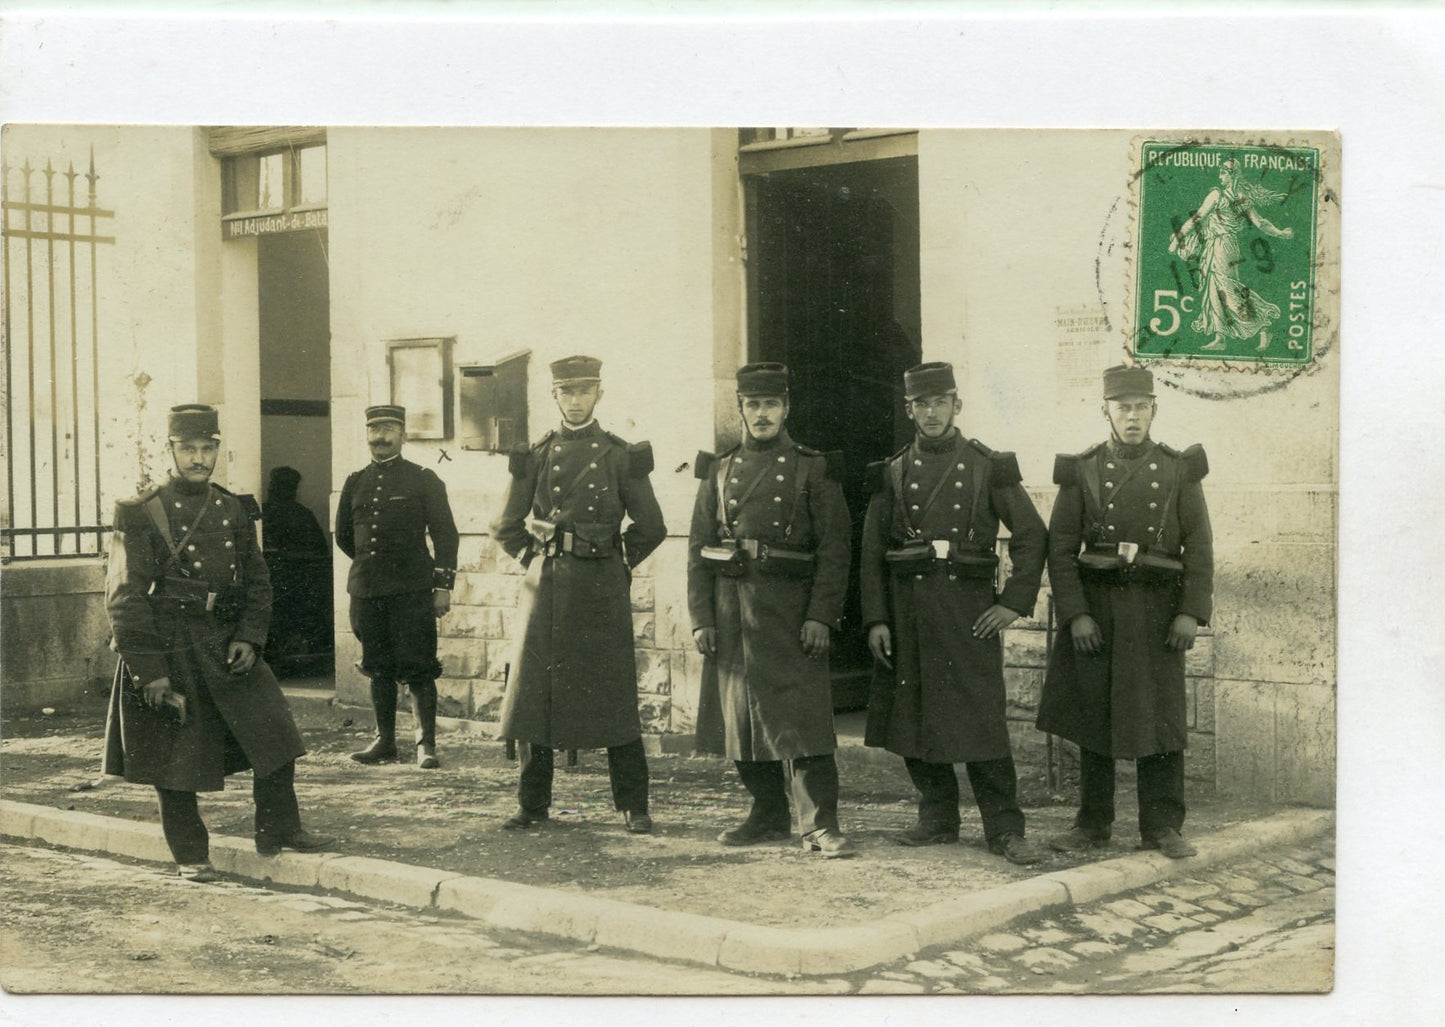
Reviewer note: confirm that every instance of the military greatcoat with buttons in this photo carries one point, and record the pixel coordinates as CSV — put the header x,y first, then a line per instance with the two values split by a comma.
x,y
383,517
762,697
572,682
944,700
1127,700
235,721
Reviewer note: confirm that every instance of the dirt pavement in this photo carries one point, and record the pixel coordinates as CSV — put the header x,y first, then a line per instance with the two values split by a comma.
x,y
450,819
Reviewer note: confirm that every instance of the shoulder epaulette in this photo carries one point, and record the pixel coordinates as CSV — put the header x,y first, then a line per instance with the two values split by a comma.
x,y
247,502
541,443
702,467
1066,465
1004,469
835,466
617,440
517,459
639,459
875,475
981,447
806,450
1196,463
140,500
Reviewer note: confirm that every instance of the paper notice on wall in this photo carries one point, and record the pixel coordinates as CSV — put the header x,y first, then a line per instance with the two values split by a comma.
x,y
1085,348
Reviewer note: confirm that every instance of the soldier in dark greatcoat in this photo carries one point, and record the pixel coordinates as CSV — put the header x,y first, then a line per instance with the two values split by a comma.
x,y
189,602
1131,563
768,559
572,682
399,588
934,619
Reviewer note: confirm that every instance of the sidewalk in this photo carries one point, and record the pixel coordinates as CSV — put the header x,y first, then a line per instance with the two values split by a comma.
x,y
432,839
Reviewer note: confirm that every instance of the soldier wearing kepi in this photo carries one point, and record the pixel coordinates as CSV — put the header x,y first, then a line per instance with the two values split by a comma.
x,y
934,620
1131,562
399,588
189,601
573,677
768,559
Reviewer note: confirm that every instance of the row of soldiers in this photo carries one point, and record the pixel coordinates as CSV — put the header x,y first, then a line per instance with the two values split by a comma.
x,y
1128,550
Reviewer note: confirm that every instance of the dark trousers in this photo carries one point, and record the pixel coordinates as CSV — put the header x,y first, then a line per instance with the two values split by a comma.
x,y
1161,793
811,780
398,636
277,815
995,791
626,767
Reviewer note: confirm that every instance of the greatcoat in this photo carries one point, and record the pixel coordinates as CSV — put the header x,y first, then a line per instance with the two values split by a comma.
x,y
234,721
1127,700
944,700
762,697
572,680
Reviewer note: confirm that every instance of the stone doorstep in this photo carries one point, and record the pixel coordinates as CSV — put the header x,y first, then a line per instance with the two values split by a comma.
x,y
710,941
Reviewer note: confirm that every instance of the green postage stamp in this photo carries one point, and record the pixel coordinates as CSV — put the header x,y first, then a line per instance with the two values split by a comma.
x,y
1225,264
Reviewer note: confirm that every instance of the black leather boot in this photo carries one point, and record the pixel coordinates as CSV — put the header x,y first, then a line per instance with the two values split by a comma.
x,y
424,708
383,702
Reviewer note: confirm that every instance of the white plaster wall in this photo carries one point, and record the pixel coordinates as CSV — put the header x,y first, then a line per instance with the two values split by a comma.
x,y
1019,227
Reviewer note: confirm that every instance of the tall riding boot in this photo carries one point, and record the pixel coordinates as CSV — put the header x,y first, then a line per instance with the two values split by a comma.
x,y
383,701
424,709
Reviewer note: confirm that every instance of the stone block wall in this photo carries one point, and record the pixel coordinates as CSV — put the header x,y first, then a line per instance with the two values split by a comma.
x,y
1026,645
54,633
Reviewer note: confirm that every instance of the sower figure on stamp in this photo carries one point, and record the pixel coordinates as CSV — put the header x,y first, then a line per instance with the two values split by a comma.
x,y
399,588
934,620
189,602
1131,562
768,559
573,677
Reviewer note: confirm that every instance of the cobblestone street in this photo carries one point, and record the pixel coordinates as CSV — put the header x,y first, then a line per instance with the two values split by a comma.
x,y
80,923
1260,925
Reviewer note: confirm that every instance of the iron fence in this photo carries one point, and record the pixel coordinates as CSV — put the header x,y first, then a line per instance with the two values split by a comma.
x,y
52,343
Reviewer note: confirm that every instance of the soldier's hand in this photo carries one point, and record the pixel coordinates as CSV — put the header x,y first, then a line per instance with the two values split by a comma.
x,y
154,693
441,602
1087,637
241,657
880,640
706,640
1182,632
994,620
815,638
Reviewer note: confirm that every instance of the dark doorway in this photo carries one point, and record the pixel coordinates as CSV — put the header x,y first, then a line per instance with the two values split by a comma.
x,y
293,296
833,291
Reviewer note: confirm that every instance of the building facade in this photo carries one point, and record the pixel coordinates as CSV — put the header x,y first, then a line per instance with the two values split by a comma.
x,y
293,277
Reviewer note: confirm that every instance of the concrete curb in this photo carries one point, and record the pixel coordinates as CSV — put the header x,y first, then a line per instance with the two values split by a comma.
x,y
710,941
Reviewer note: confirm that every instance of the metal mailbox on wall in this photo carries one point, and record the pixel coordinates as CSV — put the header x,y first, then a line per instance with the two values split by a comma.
x,y
493,403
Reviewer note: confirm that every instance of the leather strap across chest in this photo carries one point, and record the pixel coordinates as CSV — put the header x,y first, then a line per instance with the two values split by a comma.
x,y
913,526
543,481
157,512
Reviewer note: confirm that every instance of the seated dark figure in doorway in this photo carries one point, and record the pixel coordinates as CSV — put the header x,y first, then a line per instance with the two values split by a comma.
x,y
300,563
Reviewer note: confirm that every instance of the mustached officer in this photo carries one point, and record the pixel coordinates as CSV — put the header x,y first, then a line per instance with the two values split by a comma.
x,y
399,588
767,570
189,600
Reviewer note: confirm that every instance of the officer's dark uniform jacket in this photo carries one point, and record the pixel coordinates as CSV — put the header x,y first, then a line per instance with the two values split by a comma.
x,y
762,698
1128,699
572,681
944,701
162,628
383,517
